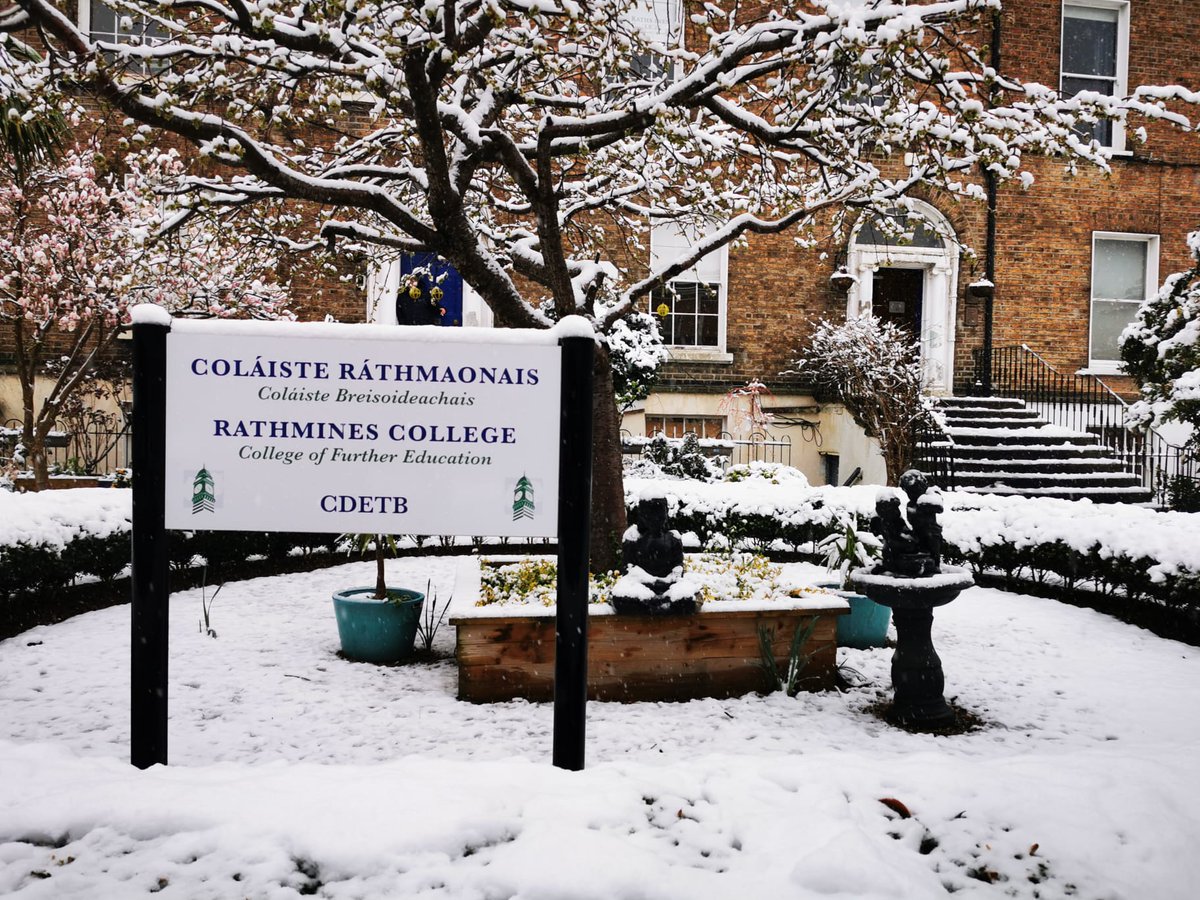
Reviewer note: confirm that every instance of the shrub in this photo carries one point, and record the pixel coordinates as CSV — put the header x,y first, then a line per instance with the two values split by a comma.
x,y
873,369
683,458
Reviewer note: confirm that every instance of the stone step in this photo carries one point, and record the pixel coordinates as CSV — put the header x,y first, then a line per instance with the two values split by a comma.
x,y
1000,414
982,437
980,402
1137,496
1066,464
994,423
1055,452
1056,480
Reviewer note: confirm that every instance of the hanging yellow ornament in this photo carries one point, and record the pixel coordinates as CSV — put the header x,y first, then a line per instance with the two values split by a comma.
x,y
663,310
414,292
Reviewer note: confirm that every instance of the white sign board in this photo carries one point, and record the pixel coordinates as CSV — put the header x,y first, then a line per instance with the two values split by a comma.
x,y
292,427
658,20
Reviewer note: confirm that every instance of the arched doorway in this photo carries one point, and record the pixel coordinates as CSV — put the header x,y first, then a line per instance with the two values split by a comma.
x,y
911,283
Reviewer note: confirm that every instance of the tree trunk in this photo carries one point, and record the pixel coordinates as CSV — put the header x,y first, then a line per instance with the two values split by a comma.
x,y
380,579
36,460
35,452
608,488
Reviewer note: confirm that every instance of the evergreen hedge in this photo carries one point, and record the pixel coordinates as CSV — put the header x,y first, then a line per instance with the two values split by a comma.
x,y
1096,575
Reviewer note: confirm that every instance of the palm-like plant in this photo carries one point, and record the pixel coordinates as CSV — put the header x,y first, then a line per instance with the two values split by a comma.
x,y
383,545
31,130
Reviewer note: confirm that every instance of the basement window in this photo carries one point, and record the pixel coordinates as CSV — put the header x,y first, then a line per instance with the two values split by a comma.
x,y
678,426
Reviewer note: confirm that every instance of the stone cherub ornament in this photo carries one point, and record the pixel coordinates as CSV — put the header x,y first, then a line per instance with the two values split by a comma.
x,y
653,582
913,548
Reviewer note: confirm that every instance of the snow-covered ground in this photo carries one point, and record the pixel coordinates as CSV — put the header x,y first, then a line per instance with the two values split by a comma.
x,y
293,771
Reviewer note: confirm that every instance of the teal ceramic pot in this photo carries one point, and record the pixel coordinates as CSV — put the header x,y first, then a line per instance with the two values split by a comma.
x,y
866,625
377,631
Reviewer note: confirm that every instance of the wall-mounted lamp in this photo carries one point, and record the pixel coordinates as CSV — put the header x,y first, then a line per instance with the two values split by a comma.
x,y
841,280
982,289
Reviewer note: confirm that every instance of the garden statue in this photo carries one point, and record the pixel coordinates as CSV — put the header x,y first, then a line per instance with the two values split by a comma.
x,y
912,581
923,508
653,582
902,553
911,549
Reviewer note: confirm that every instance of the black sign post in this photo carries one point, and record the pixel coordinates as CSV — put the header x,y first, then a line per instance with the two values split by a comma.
x,y
148,661
574,533
151,591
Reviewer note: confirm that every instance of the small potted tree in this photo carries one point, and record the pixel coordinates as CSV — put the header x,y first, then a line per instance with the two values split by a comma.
x,y
379,624
867,624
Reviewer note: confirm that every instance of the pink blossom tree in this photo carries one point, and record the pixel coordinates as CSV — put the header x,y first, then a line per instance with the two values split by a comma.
x,y
78,247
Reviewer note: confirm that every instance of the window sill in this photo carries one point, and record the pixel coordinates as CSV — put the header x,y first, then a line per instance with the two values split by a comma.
x,y
1100,367
699,355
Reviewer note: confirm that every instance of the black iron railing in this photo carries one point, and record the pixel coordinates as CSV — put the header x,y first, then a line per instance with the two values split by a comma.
x,y
728,450
933,454
1086,404
94,449
758,446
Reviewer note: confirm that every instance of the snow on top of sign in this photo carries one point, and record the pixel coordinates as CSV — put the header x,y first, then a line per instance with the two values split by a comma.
x,y
572,326
149,314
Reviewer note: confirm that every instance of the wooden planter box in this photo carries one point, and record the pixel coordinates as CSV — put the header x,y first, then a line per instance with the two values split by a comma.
x,y
714,653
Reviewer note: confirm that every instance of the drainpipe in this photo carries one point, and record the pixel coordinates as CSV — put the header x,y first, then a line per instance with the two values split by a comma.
x,y
989,253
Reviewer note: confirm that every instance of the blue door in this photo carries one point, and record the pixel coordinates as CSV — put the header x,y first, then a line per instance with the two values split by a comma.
x,y
428,308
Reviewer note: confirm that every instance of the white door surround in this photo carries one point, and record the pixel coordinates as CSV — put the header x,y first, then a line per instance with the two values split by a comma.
x,y
940,301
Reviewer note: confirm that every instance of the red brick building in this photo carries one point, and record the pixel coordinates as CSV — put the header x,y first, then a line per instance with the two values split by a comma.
x,y
1071,256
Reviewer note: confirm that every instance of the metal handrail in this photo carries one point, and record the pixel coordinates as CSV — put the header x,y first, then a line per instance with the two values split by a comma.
x,y
1087,404
1100,381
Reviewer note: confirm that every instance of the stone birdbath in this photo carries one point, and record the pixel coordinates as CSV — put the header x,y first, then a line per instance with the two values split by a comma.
x,y
913,581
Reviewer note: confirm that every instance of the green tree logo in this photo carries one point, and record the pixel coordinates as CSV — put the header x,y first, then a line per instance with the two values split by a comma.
x,y
523,505
204,497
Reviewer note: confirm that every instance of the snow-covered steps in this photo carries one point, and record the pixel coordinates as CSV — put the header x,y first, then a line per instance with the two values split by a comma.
x,y
1000,446
1135,495
1074,464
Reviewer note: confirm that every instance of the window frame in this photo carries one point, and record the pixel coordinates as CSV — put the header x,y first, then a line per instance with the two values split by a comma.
x,y
1121,78
1152,243
84,19
672,69
675,288
685,420
707,353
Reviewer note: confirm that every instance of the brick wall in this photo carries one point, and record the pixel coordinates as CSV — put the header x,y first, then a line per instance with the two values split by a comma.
x,y
776,290
1044,241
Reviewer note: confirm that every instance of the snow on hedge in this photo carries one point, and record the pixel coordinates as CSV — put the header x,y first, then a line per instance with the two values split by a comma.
x,y
56,518
971,522
1171,539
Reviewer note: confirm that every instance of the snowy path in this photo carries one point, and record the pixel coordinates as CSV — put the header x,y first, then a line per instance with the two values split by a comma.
x,y
293,771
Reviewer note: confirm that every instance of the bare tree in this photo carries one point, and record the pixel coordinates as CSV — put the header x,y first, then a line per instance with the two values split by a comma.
x,y
518,138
